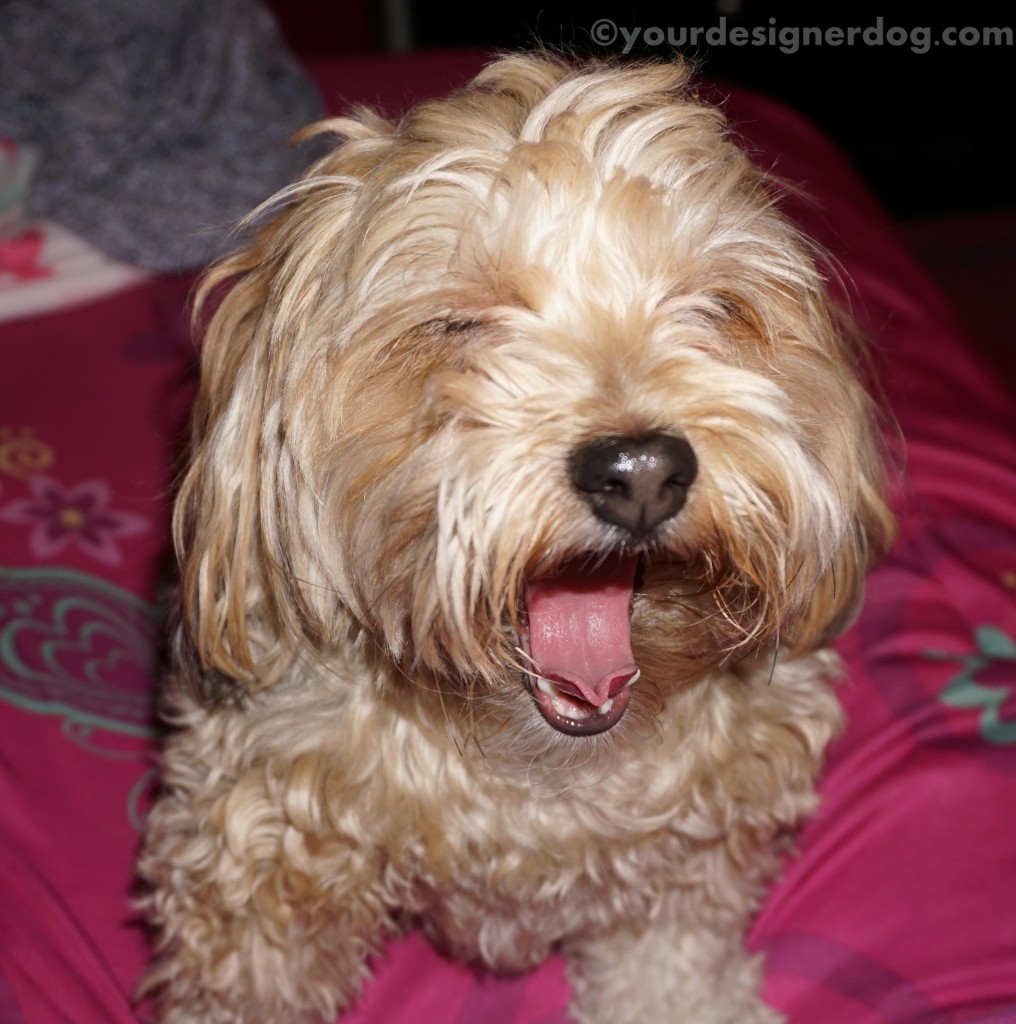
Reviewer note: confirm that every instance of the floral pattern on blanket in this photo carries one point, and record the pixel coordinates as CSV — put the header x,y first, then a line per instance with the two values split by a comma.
x,y
937,638
80,515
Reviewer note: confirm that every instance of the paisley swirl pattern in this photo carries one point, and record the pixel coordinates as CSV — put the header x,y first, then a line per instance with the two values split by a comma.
x,y
74,645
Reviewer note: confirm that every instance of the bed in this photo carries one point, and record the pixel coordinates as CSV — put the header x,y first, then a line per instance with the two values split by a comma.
x,y
900,906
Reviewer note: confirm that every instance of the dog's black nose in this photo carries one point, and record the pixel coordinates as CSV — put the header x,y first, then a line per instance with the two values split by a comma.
x,y
635,483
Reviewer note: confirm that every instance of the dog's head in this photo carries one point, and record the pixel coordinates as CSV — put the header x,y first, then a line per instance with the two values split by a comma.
x,y
527,394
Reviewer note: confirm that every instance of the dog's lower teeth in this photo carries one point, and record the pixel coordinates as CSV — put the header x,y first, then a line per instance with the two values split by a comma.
x,y
570,707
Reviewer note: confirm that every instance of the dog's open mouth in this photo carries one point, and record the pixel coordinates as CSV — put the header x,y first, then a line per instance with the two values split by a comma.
x,y
578,645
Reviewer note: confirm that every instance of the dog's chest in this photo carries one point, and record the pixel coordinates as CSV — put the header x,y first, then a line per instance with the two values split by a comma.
x,y
531,866
490,838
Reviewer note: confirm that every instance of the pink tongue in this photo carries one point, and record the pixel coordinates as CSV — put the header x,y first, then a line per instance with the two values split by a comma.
x,y
580,630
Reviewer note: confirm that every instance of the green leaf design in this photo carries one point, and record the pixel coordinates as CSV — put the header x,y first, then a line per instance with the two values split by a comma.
x,y
964,691
995,644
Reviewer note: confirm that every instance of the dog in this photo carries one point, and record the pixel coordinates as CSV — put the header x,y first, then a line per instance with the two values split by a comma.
x,y
531,473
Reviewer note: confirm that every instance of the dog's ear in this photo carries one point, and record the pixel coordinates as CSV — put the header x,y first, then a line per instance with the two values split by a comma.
x,y
231,632
252,584
836,600
859,457
842,521
255,576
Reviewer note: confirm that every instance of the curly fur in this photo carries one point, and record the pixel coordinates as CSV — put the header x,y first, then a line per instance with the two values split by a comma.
x,y
443,310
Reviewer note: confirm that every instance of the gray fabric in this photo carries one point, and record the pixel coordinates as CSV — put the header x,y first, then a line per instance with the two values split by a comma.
x,y
159,123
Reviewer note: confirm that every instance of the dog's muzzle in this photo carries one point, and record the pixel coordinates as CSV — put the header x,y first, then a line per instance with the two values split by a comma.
x,y
578,649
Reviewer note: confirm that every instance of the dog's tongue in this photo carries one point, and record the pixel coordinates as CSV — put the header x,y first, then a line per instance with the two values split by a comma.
x,y
580,627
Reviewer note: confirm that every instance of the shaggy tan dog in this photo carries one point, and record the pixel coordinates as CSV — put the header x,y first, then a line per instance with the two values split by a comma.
x,y
530,473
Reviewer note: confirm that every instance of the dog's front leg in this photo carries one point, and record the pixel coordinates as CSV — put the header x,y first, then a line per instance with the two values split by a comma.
x,y
260,917
667,973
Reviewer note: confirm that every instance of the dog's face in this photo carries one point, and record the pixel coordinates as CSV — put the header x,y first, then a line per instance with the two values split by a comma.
x,y
538,398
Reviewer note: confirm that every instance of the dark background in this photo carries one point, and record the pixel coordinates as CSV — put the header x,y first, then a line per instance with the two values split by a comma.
x,y
929,131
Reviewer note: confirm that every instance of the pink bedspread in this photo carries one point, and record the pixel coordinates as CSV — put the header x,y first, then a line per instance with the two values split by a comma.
x,y
901,907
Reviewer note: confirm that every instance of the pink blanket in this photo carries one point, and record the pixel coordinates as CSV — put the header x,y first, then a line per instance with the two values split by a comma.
x,y
900,908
